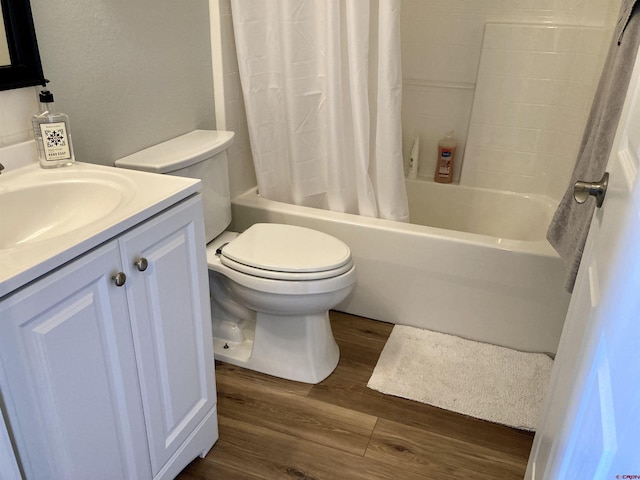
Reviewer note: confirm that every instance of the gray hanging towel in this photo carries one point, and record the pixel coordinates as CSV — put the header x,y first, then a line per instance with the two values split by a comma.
x,y
569,227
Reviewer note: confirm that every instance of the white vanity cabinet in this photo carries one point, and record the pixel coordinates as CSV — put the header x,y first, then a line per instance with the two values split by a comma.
x,y
101,381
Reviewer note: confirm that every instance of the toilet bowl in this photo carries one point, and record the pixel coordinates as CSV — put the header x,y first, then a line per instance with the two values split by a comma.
x,y
272,285
278,325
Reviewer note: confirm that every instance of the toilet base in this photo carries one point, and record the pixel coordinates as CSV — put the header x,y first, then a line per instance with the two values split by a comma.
x,y
299,348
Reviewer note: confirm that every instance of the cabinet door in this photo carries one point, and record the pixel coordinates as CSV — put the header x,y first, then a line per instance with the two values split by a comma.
x,y
170,316
69,377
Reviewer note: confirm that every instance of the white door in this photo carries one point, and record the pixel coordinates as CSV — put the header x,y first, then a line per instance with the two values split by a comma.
x,y
590,426
8,462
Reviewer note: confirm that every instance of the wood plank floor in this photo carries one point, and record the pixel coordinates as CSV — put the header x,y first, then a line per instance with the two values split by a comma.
x,y
339,429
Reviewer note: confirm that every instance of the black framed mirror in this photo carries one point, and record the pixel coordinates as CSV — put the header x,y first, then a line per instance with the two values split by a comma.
x,y
24,69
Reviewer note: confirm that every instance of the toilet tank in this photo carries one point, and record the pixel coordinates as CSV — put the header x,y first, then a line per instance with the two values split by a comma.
x,y
200,154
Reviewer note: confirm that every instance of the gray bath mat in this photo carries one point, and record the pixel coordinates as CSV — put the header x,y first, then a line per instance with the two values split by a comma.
x,y
484,381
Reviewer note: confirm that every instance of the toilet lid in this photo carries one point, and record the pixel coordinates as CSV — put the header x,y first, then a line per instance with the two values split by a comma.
x,y
286,252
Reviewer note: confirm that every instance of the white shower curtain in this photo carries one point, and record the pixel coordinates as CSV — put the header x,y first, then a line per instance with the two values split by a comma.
x,y
322,86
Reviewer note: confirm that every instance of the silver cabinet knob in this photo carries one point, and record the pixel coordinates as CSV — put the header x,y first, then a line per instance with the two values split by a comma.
x,y
141,264
582,190
119,279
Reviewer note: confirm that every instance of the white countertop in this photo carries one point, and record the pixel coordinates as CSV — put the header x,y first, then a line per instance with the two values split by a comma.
x,y
136,197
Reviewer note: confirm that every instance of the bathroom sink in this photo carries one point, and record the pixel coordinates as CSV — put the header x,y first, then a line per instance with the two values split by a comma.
x,y
51,216
38,213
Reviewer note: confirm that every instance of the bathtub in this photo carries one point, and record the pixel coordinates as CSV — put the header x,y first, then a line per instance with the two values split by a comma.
x,y
473,262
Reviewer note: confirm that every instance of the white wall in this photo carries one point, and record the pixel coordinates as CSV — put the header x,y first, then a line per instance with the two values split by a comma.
x,y
128,74
441,50
230,111
16,109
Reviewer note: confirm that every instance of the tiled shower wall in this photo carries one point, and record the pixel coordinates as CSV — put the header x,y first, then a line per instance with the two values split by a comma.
x,y
441,49
533,94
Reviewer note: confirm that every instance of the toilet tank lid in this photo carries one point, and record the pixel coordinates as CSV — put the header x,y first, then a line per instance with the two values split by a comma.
x,y
179,152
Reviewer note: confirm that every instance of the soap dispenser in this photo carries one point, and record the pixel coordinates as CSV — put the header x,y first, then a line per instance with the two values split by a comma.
x,y
52,134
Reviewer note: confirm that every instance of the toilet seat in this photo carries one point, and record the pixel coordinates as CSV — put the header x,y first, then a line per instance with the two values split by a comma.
x,y
275,275
286,252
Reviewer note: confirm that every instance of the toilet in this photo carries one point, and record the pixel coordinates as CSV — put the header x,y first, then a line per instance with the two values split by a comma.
x,y
272,285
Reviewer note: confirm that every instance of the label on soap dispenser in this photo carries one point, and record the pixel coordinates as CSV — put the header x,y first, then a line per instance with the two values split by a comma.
x,y
55,141
445,162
